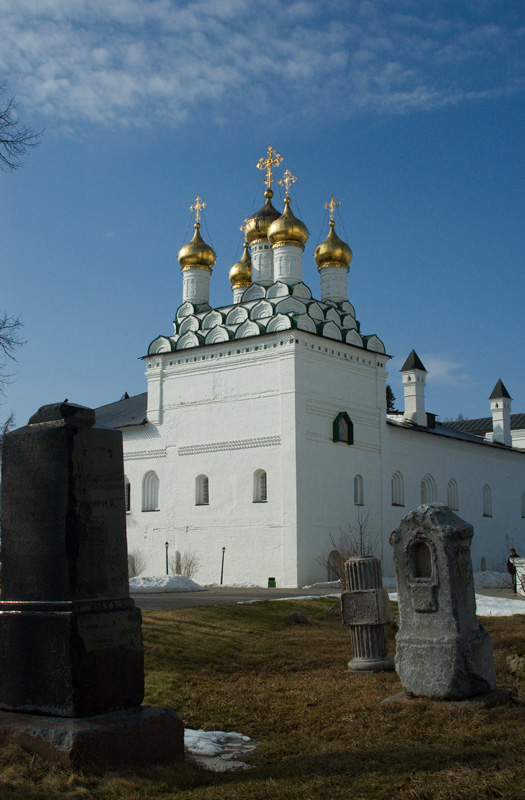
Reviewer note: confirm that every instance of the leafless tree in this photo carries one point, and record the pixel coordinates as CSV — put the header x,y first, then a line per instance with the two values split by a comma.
x,y
137,563
15,138
354,540
10,339
186,564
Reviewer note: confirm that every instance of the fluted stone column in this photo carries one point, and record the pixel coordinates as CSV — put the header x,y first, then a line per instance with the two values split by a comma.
x,y
366,611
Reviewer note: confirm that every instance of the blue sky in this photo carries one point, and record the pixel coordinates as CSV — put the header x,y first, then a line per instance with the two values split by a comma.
x,y
411,113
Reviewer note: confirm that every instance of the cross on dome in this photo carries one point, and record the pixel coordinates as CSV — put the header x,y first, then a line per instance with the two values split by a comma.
x,y
272,159
287,181
197,207
332,204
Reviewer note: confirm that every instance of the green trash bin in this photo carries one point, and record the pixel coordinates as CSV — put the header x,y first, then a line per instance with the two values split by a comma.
x,y
271,583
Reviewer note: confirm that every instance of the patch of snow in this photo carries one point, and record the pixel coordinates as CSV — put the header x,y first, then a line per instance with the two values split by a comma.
x,y
327,584
217,750
490,606
163,583
233,586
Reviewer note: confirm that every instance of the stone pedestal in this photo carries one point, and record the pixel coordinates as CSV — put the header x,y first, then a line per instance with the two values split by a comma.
x,y
442,651
131,737
366,611
70,635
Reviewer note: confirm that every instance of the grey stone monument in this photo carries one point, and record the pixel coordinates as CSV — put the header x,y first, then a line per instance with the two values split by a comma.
x,y
366,611
70,635
442,651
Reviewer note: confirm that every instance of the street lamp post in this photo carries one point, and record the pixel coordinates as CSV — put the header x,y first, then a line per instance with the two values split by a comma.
x,y
167,546
222,563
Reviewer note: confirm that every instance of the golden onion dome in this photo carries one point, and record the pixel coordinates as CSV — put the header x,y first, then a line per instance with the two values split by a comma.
x,y
288,229
333,252
257,226
241,272
197,254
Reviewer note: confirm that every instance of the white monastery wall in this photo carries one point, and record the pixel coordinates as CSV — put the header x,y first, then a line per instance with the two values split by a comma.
x,y
223,417
472,466
332,378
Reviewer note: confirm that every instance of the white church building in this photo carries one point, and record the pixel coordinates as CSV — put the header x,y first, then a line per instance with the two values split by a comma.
x,y
264,429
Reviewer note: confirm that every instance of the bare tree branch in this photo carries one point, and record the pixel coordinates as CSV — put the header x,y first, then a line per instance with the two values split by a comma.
x,y
10,339
15,138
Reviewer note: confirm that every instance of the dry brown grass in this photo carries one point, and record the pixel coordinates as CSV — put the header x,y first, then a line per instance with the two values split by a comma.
x,y
321,733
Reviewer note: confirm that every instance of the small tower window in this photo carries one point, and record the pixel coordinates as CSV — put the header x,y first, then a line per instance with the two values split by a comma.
x,y
523,505
343,429
260,492
202,491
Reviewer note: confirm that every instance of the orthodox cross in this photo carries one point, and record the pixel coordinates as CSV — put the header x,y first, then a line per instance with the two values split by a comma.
x,y
332,206
286,181
272,159
197,207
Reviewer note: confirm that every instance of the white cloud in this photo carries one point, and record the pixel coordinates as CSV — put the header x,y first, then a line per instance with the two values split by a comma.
x,y
131,62
443,371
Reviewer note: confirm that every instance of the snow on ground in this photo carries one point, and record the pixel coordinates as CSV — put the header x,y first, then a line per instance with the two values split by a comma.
x,y
233,586
490,606
163,583
217,750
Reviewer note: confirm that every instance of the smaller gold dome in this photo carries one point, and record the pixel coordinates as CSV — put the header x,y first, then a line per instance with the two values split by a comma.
x,y
288,229
257,226
241,272
197,254
333,252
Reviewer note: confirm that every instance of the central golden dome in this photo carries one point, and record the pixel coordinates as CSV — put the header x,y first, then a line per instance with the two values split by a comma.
x,y
241,272
333,252
257,226
288,229
197,254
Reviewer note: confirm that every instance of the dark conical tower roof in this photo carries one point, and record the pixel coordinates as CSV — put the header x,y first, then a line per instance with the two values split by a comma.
x,y
413,362
499,391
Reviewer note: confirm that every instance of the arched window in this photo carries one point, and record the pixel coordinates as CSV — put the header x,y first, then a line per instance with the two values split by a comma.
x,y
150,492
260,492
359,495
335,566
398,489
523,504
343,429
452,495
202,491
428,490
127,493
487,501
483,565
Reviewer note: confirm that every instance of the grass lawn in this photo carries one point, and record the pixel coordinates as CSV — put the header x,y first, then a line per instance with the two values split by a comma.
x,y
321,733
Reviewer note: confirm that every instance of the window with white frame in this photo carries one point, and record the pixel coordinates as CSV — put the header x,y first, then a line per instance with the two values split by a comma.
x,y
487,501
127,494
428,490
398,489
452,495
359,495
260,486
202,491
150,491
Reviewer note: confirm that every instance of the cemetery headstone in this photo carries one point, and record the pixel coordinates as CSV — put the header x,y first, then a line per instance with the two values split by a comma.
x,y
442,651
366,611
70,635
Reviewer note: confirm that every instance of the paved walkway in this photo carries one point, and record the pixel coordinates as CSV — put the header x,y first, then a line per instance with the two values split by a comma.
x,y
225,594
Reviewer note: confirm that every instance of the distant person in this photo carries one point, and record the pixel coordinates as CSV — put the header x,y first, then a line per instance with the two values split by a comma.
x,y
511,566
